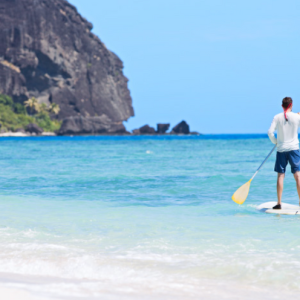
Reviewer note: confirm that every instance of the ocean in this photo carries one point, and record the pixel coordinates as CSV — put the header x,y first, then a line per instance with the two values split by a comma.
x,y
144,218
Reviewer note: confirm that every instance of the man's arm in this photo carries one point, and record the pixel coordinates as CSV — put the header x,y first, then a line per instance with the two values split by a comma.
x,y
272,130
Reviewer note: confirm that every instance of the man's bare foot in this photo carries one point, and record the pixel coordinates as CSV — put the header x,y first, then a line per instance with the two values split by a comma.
x,y
278,206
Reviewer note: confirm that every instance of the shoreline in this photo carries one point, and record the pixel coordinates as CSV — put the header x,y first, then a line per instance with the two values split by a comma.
x,y
214,136
19,294
21,134
28,287
47,134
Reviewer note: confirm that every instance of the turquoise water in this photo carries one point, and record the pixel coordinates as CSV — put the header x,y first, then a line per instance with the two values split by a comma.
x,y
138,217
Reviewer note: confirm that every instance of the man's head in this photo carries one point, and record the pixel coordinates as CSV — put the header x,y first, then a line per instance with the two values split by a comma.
x,y
287,102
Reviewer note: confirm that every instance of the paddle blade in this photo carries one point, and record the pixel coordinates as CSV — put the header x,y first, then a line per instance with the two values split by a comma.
x,y
241,194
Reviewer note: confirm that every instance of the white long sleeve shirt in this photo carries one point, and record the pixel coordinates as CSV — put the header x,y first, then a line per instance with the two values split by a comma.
x,y
287,132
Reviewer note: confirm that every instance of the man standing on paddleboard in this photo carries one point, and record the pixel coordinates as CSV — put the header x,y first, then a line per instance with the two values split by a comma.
x,y
286,124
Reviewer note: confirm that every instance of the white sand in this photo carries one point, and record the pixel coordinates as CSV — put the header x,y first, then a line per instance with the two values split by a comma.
x,y
21,134
16,134
14,294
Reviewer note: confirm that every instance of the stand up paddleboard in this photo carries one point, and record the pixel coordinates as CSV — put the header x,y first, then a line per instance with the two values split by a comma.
x,y
286,209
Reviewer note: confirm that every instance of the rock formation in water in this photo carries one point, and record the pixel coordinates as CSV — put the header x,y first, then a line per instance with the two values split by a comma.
x,y
47,51
162,128
181,128
146,129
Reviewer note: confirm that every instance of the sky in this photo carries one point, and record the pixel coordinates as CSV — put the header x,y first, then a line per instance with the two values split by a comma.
x,y
222,66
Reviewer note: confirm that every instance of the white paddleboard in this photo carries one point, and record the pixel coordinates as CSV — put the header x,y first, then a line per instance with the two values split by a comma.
x,y
286,209
283,211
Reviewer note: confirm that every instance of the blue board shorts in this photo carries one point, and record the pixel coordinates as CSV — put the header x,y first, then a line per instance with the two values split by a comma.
x,y
283,158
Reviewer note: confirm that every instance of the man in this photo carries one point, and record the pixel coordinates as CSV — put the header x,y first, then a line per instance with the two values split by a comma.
x,y
286,124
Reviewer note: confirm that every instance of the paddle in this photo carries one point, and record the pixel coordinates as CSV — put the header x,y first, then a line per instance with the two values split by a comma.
x,y
241,194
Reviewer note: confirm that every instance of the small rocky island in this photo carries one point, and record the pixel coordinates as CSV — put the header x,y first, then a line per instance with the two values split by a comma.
x,y
56,76
180,128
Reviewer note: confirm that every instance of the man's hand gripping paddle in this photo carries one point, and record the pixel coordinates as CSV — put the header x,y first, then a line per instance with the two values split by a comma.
x,y
241,194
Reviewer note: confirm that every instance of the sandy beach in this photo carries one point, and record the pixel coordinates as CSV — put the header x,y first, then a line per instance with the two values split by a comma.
x,y
21,134
15,294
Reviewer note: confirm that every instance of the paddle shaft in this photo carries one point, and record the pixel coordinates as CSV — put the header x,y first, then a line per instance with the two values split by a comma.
x,y
263,162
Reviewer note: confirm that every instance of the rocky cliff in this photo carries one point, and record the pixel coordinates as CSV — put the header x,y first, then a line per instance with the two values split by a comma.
x,y
47,51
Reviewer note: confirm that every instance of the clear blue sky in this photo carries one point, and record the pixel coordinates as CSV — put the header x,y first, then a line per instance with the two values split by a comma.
x,y
223,66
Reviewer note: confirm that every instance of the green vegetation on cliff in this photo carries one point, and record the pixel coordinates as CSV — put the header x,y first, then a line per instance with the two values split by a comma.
x,y
14,116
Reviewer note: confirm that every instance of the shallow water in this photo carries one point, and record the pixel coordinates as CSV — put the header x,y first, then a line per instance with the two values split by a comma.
x,y
138,217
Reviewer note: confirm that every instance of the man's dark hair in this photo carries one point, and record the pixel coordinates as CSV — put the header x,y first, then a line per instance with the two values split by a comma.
x,y
286,102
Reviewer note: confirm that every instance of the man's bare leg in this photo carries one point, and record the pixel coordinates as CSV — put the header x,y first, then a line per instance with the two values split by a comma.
x,y
297,178
280,179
